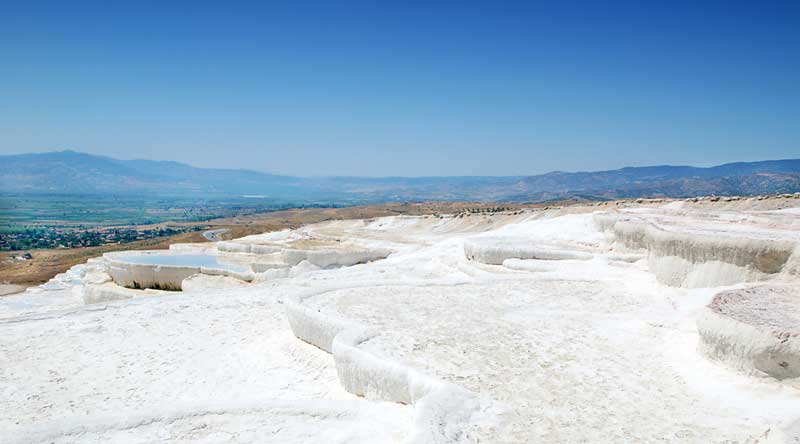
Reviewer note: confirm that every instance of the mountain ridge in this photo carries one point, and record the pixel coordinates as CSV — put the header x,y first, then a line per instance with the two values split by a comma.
x,y
75,172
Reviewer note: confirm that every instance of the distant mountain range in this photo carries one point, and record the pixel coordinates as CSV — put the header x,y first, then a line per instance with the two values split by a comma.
x,y
74,173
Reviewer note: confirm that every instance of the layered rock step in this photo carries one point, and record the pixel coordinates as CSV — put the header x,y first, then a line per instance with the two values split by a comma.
x,y
756,330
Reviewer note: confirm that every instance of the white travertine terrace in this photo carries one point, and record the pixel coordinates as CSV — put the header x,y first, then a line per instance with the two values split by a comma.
x,y
756,330
128,274
658,321
495,251
698,252
160,277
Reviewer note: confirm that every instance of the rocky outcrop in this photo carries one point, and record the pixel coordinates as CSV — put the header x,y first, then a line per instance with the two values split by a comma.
x,y
246,247
494,251
755,330
686,259
109,291
160,277
327,258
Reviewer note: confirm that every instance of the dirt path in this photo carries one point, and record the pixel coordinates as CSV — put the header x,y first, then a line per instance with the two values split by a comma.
x,y
213,235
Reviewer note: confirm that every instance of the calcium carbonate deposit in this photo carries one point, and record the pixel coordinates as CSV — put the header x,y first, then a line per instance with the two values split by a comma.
x,y
620,322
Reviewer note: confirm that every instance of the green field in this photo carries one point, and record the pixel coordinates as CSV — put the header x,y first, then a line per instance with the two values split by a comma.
x,y
74,221
21,211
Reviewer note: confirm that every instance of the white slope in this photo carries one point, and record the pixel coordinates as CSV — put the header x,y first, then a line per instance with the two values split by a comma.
x,y
579,350
533,327
216,367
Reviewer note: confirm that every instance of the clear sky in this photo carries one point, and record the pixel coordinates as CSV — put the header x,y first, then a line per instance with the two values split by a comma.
x,y
401,88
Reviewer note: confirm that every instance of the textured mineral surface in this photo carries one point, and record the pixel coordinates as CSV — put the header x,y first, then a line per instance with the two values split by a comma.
x,y
650,322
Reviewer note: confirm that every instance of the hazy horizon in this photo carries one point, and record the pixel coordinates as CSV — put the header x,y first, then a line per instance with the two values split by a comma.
x,y
440,90
412,176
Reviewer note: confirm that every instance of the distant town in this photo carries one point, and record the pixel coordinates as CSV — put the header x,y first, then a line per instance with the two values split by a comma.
x,y
76,238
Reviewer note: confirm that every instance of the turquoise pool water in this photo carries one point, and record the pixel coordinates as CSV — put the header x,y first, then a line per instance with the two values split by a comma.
x,y
186,260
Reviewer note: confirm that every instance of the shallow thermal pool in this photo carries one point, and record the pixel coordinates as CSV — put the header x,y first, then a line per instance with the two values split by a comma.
x,y
186,260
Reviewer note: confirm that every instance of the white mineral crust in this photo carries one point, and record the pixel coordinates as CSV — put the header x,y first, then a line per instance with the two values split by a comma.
x,y
561,326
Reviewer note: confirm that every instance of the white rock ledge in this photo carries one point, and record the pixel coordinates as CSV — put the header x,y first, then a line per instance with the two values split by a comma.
x,y
109,291
685,259
494,251
246,247
443,411
160,277
327,258
755,330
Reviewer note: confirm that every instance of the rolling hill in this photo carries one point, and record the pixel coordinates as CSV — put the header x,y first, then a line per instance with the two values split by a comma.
x,y
74,173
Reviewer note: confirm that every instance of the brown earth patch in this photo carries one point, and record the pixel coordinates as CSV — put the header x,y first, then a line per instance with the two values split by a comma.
x,y
46,263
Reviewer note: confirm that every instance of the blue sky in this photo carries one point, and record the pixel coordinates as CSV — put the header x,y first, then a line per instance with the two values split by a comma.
x,y
374,89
